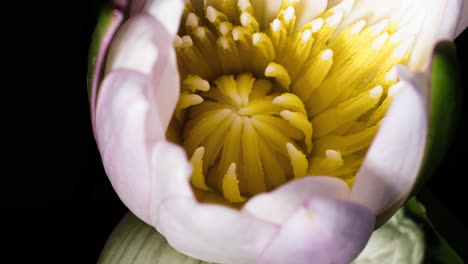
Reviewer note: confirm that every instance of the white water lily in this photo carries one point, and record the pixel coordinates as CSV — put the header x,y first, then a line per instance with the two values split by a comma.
x,y
295,173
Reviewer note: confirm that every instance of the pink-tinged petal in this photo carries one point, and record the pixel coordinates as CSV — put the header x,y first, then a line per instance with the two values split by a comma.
x,y
392,163
169,12
133,47
143,44
122,110
208,232
427,21
324,231
278,205
165,76
136,6
463,24
102,45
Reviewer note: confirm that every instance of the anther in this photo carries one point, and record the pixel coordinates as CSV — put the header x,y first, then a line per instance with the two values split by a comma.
x,y
317,24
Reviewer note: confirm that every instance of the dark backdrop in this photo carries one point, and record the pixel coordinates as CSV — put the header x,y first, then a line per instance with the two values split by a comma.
x,y
60,207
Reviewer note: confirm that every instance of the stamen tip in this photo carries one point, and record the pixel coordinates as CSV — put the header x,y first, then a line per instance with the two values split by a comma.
x,y
335,19
224,28
333,154
245,19
394,90
256,38
211,14
178,41
377,28
380,41
199,32
391,75
306,35
327,55
289,13
356,28
317,24
376,92
187,41
276,25
192,20
243,4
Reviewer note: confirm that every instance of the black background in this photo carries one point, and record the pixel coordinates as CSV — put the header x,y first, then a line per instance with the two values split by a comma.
x,y
59,206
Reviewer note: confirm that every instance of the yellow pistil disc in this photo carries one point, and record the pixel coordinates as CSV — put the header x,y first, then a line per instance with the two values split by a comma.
x,y
265,103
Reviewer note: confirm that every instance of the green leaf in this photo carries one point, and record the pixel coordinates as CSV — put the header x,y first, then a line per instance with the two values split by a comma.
x,y
135,242
444,109
438,249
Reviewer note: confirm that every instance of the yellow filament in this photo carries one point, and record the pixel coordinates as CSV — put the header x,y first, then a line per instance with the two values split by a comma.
x,y
198,179
298,161
265,100
279,73
230,186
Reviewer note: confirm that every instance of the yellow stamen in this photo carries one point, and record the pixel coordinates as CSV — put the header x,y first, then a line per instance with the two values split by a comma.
x,y
265,100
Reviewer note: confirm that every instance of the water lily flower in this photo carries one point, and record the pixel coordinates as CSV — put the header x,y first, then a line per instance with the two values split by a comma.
x,y
277,131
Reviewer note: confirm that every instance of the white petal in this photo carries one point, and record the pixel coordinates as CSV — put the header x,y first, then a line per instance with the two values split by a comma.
x,y
133,47
463,18
204,231
279,204
392,163
122,109
427,20
142,44
168,12
324,231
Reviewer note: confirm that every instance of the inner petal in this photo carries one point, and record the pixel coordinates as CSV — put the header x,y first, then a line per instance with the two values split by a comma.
x,y
263,103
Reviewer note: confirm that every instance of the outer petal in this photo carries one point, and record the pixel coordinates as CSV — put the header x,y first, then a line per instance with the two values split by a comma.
x,y
101,41
279,204
207,232
125,133
392,163
463,24
133,47
122,111
427,20
322,231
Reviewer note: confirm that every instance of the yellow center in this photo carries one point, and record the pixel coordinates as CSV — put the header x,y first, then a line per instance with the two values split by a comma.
x,y
262,105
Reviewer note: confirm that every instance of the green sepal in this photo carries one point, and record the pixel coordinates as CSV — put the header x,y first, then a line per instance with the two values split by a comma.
x,y
444,109
135,242
439,249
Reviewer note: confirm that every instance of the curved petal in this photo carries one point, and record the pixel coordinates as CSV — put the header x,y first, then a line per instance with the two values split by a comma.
x,y
322,231
133,47
207,232
101,41
144,45
168,12
392,163
122,111
279,204
428,21
463,24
